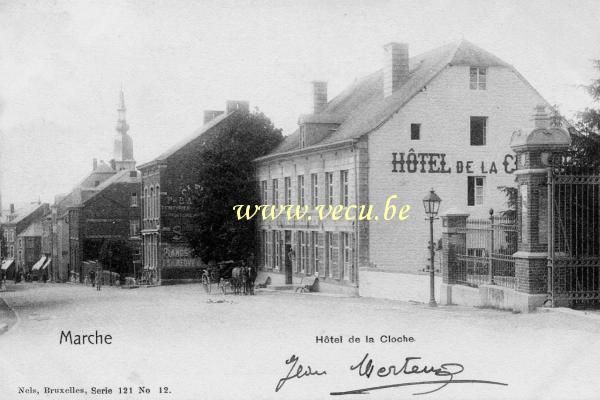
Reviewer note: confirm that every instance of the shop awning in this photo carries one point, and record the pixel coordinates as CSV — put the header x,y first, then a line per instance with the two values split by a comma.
x,y
48,261
7,263
39,263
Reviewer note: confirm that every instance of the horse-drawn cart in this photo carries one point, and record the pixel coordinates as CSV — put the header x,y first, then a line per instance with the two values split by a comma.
x,y
217,274
229,275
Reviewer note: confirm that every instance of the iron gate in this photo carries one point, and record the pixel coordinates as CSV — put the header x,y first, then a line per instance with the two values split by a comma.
x,y
574,233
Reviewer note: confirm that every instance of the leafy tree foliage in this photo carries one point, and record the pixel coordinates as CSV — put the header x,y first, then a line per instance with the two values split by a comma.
x,y
116,255
225,176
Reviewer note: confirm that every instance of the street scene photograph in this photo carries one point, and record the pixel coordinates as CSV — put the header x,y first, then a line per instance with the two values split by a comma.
x,y
256,199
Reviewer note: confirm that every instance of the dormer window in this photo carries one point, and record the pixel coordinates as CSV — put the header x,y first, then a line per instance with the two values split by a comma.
x,y
302,136
478,78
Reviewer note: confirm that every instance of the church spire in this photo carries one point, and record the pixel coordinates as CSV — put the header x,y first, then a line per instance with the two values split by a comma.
x,y
123,145
122,126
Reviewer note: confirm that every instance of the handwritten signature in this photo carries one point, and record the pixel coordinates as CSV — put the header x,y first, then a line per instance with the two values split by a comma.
x,y
297,371
367,368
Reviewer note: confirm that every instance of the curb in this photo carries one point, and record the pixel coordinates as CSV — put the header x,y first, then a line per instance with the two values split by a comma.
x,y
12,316
576,313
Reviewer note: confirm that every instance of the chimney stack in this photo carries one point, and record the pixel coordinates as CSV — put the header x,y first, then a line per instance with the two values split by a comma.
x,y
319,96
395,67
540,117
12,208
94,164
234,105
209,115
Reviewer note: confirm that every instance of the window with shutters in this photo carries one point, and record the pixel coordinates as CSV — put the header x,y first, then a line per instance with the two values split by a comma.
x,y
276,192
329,188
264,192
301,190
317,251
475,190
332,254
347,255
314,190
277,250
344,188
287,190
268,249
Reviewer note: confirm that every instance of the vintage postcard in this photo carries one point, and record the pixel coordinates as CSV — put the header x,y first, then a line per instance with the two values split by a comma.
x,y
256,199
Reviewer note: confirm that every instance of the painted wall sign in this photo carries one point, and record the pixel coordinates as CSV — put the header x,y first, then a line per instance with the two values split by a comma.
x,y
438,163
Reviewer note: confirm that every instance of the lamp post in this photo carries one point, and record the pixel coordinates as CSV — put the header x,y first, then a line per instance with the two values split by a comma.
x,y
431,202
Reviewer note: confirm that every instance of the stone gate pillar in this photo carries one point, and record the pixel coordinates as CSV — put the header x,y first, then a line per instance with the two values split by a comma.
x,y
454,240
534,151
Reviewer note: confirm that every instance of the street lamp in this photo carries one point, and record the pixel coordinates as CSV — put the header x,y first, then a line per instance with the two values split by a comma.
x,y
431,202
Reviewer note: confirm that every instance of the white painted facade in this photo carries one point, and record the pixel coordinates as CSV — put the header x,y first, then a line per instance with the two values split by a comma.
x,y
385,251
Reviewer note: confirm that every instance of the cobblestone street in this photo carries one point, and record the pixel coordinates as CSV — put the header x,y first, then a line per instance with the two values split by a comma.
x,y
205,346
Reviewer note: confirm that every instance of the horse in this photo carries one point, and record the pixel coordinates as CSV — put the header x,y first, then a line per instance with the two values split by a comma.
x,y
236,279
248,277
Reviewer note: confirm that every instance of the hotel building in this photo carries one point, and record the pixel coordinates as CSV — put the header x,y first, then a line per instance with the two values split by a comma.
x,y
441,120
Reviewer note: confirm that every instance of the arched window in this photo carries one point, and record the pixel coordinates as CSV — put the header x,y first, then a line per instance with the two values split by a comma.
x,y
157,214
146,216
151,202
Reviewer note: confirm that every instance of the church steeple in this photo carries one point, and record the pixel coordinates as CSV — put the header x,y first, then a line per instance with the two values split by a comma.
x,y
123,145
122,126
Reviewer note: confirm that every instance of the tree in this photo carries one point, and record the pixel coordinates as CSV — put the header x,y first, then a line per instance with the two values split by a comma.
x,y
116,256
225,176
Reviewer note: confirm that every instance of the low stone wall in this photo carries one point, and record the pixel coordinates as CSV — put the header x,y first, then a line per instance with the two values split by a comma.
x,y
491,296
396,285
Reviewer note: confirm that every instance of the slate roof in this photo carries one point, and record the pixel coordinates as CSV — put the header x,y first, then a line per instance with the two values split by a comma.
x,y
34,229
122,176
24,212
184,142
362,107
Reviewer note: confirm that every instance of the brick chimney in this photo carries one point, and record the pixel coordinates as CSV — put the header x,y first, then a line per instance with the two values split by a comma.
x,y
319,96
233,105
94,164
209,115
395,67
540,117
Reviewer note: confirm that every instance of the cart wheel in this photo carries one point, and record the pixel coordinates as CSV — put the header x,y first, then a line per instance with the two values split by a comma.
x,y
206,283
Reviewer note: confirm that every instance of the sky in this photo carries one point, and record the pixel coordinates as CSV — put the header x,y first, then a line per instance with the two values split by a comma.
x,y
63,63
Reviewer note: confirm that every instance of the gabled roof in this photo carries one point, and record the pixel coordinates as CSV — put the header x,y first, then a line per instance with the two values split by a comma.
x,y
362,107
34,229
183,143
24,212
122,176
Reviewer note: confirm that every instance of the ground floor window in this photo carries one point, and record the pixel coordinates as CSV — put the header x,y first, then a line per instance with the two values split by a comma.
x,y
347,254
303,241
475,190
332,254
278,251
268,247
317,251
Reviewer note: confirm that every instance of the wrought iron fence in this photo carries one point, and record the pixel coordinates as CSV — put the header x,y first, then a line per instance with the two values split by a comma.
x,y
574,267
486,254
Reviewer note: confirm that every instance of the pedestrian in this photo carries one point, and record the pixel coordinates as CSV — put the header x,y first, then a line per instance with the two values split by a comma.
x,y
92,277
98,277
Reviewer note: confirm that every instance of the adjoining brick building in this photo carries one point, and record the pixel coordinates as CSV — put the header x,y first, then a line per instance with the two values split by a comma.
x,y
442,120
111,212
167,210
